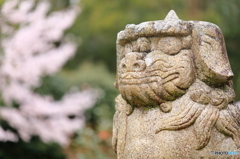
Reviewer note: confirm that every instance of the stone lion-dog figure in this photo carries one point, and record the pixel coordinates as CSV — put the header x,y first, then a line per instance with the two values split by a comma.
x,y
176,96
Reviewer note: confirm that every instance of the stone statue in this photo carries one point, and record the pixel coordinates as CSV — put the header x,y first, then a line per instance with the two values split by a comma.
x,y
176,95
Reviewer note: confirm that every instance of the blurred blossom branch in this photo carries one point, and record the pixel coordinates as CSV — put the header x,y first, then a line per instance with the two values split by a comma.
x,y
29,52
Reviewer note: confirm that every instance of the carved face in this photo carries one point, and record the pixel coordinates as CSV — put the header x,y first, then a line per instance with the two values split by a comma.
x,y
154,70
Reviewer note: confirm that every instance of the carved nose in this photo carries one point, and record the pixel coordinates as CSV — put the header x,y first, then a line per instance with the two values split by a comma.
x,y
133,62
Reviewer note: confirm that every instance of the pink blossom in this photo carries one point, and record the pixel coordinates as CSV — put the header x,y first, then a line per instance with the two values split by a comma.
x,y
29,54
7,136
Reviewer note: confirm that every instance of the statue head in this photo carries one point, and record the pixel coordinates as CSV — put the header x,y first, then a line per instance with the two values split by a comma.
x,y
158,61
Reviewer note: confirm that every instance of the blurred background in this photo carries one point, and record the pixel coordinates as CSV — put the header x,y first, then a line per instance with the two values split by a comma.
x,y
58,66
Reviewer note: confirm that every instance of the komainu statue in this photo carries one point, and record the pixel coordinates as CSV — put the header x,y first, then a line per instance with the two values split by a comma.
x,y
176,95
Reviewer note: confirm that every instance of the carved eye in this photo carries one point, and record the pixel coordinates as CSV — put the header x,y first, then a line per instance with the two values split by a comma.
x,y
122,67
136,66
170,45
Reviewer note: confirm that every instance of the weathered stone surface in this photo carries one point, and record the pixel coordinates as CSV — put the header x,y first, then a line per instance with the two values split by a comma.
x,y
176,97
238,103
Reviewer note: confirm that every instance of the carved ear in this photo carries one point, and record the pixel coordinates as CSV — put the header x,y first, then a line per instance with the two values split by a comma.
x,y
210,53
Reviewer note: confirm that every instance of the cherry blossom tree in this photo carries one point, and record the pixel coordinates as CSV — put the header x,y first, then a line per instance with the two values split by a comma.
x,y
29,52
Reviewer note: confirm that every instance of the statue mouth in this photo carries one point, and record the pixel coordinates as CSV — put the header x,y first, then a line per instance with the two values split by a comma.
x,y
137,81
137,78
145,88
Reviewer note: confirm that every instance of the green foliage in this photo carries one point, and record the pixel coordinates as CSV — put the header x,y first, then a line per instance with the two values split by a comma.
x,y
33,149
1,2
97,76
91,146
88,143
58,5
53,86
